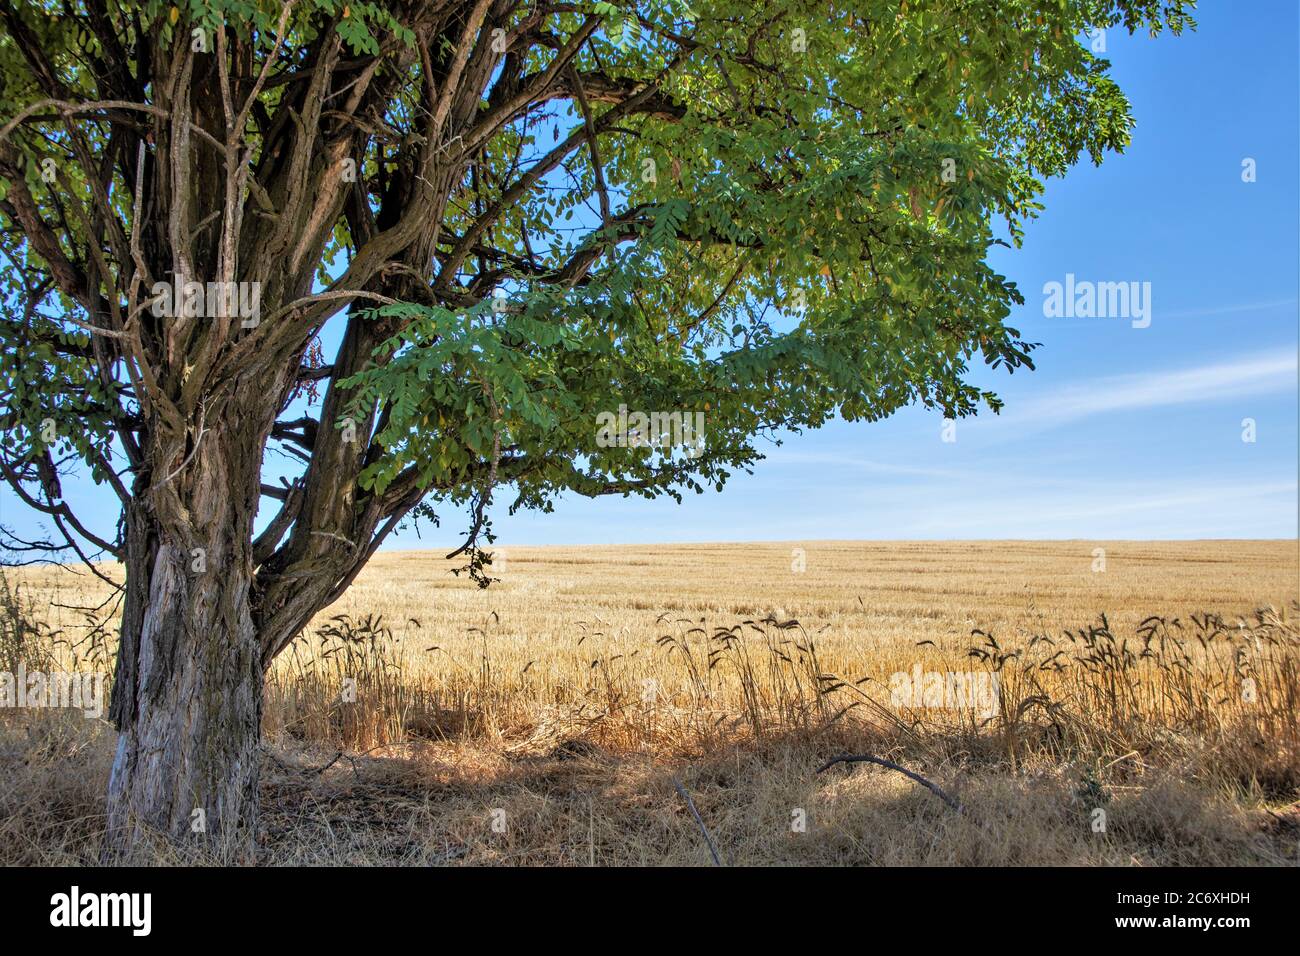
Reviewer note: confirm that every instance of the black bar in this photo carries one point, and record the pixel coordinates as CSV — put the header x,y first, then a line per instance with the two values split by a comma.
x,y
331,906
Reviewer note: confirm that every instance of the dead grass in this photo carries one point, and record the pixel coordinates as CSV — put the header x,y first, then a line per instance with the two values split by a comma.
x,y
543,721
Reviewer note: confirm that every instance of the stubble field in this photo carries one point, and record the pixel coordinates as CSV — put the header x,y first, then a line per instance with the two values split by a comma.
x,y
565,714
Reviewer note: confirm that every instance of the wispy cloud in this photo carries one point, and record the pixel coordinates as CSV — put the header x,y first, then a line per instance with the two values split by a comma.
x,y
1196,509
1247,375
849,461
1230,309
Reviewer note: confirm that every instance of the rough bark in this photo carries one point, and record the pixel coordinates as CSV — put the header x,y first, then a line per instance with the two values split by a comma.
x,y
188,692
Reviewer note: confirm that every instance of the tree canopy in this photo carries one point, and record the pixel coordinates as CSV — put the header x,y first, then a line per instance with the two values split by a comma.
x,y
773,215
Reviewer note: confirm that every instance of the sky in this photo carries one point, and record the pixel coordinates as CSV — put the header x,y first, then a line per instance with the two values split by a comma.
x,y
1125,429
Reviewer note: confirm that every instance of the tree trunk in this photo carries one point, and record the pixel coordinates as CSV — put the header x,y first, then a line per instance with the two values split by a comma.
x,y
187,695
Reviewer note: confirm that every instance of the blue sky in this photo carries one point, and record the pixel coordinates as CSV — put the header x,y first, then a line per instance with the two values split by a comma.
x,y
1121,432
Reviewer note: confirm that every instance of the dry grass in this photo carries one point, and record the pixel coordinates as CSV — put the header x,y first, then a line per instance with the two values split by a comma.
x,y
561,703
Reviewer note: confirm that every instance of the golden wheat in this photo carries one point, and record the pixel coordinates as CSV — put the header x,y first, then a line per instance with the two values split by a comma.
x,y
1176,666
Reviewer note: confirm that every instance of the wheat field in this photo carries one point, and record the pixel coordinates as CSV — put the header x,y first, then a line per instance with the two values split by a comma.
x,y
564,714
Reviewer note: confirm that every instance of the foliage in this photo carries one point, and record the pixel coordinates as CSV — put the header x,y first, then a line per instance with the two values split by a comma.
x,y
772,217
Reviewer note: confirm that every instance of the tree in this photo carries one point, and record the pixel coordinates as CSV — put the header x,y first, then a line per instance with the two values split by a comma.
x,y
514,217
